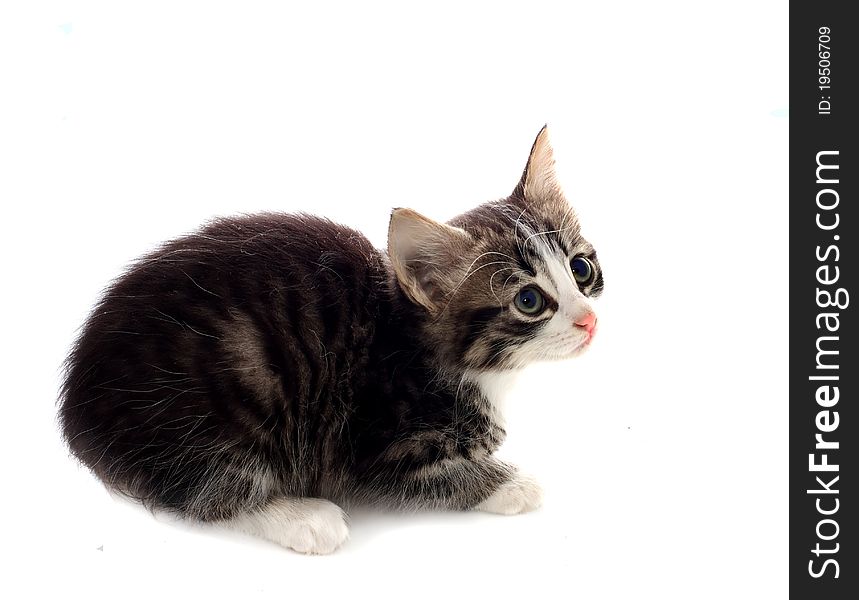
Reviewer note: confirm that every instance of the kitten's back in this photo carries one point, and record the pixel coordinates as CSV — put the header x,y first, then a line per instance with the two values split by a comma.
x,y
189,380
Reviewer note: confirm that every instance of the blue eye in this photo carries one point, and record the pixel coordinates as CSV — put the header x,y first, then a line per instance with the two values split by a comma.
x,y
530,301
582,269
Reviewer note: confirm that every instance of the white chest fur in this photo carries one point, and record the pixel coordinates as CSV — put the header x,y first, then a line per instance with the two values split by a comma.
x,y
496,386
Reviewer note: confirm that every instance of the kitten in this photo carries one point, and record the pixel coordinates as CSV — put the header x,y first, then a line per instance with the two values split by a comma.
x,y
268,369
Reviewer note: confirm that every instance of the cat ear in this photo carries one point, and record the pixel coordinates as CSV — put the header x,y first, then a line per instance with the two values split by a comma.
x,y
423,254
539,181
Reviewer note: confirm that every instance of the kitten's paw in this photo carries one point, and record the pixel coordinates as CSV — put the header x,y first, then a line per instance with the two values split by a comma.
x,y
320,530
520,494
306,525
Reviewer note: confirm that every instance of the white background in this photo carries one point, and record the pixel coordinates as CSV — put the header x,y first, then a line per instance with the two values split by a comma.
x,y
663,452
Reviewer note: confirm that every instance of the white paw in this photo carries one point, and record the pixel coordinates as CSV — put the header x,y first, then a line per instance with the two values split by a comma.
x,y
321,530
307,525
520,494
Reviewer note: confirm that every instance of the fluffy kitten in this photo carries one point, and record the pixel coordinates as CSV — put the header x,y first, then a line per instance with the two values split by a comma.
x,y
269,368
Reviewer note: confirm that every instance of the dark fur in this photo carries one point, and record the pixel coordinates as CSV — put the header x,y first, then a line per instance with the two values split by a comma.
x,y
276,355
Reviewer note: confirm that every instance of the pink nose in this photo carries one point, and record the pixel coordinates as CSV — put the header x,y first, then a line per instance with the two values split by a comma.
x,y
588,322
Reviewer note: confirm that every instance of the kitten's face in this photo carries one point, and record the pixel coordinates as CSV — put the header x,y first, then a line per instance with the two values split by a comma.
x,y
507,283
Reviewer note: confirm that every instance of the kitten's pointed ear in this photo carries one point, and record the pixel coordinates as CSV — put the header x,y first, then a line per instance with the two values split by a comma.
x,y
539,181
423,254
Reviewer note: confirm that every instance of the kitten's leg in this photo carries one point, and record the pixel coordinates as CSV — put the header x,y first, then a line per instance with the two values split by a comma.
x,y
461,483
519,494
307,525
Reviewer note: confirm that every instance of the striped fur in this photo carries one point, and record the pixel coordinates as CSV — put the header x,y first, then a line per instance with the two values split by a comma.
x,y
279,356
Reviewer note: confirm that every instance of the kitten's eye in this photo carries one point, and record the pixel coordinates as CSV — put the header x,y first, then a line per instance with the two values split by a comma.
x,y
530,301
582,269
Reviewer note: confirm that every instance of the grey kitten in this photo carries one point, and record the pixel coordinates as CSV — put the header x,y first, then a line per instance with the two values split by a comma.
x,y
269,369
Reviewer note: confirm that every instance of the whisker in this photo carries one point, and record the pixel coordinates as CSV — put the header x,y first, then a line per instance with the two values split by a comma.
x,y
546,233
493,277
468,275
